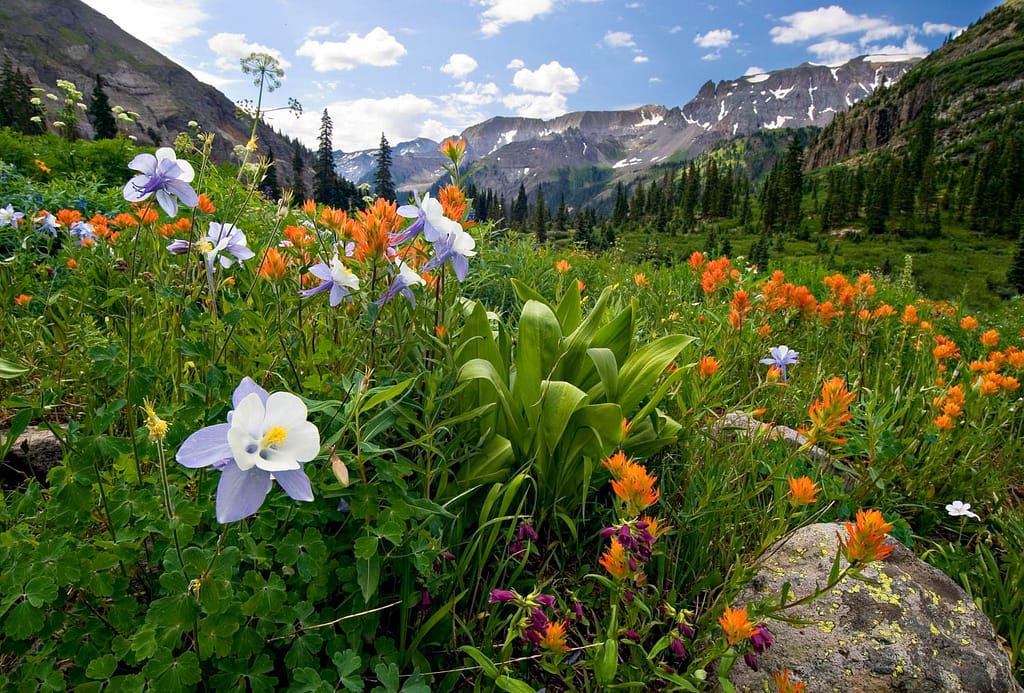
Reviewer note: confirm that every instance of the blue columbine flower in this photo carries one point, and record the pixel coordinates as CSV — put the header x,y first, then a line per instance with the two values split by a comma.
x,y
266,438
8,217
165,175
782,356
430,220
45,221
82,230
335,277
402,283
455,245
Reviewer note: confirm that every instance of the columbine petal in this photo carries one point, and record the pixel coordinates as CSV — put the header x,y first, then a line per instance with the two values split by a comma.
x,y
205,447
240,493
183,191
167,202
247,387
295,484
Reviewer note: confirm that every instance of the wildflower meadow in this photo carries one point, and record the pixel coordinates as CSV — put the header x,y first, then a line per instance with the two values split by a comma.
x,y
392,449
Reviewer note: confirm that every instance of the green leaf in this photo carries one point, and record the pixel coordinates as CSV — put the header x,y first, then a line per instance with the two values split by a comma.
x,y
570,309
307,680
387,674
644,367
349,666
385,394
485,663
23,620
40,590
368,576
525,292
536,352
102,667
365,547
268,595
608,371
173,672
507,683
9,370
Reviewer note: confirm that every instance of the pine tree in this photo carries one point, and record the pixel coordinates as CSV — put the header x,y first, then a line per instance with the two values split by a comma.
x,y
562,217
383,184
540,218
16,107
101,115
299,191
271,188
620,213
325,178
520,209
1015,276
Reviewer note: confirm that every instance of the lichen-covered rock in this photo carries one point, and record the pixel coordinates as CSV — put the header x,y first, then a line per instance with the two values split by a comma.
x,y
910,629
34,453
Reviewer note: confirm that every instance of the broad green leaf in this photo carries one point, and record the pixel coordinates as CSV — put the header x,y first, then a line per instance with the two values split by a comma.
x,y
365,547
536,352
507,683
570,309
102,667
509,414
616,334
492,463
608,371
525,292
387,674
478,340
644,367
368,576
349,666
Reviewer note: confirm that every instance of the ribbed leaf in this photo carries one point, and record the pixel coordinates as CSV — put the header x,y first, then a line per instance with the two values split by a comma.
x,y
536,351
644,367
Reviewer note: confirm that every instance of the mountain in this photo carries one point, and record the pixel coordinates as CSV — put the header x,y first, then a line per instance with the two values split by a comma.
x,y
580,153
67,39
970,87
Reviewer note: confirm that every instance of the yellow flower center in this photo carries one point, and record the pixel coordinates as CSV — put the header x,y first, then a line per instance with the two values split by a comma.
x,y
204,246
276,435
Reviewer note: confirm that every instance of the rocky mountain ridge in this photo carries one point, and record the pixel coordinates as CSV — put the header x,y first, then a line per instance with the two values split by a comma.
x,y
507,151
67,39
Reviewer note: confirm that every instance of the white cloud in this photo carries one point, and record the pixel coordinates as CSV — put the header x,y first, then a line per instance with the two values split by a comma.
x,y
502,12
619,39
675,30
931,29
320,30
716,38
475,94
640,59
654,80
231,48
632,5
357,124
459,65
515,64
550,77
833,51
212,79
160,24
711,56
910,48
824,21
377,48
754,70
536,105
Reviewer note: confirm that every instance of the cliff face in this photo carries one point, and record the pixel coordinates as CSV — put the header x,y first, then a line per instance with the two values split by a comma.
x,y
66,39
973,82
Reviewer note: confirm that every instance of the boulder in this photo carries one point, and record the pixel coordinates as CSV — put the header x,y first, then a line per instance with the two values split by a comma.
x,y
907,628
34,453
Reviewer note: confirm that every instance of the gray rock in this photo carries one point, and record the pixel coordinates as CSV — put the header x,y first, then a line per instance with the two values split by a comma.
x,y
910,629
34,453
735,423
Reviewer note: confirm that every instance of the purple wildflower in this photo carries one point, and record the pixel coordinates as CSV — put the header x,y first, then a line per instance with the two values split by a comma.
x,y
751,661
266,438
8,217
502,596
761,639
677,647
165,175
403,282
546,600
430,220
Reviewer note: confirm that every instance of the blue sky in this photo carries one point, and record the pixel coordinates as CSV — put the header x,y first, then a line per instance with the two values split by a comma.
x,y
418,68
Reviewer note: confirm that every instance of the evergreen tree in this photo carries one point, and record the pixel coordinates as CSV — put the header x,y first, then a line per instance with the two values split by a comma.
x,y
299,190
271,187
540,218
325,178
384,185
16,107
792,185
101,115
562,217
620,213
1015,276
520,209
